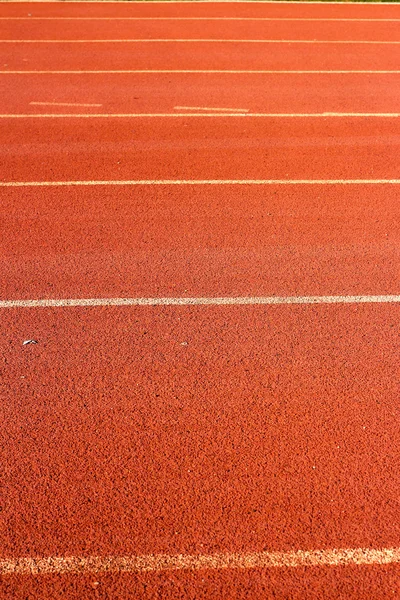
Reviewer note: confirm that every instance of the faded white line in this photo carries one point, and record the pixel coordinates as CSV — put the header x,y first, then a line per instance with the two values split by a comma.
x,y
196,19
203,182
185,2
230,110
228,301
62,104
199,115
164,562
194,40
202,71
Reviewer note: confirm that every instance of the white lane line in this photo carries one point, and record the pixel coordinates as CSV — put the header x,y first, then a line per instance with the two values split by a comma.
x,y
263,300
61,104
186,2
164,562
203,182
220,115
230,110
195,19
202,71
390,3
194,40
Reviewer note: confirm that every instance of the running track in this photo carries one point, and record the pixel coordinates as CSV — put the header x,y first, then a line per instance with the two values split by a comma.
x,y
200,229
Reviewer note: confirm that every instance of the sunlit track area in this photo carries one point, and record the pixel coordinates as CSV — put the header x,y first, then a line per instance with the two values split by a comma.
x,y
199,300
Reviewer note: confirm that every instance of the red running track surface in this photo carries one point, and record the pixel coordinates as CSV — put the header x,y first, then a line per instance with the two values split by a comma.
x,y
268,429
160,93
162,29
202,9
198,56
199,241
199,149
205,431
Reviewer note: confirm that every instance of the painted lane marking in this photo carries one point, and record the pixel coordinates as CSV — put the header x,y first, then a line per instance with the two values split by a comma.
x,y
230,110
164,562
195,115
196,19
187,2
202,71
229,301
203,182
61,104
194,40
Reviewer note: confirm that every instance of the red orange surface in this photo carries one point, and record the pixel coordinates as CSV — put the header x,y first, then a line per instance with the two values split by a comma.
x,y
207,430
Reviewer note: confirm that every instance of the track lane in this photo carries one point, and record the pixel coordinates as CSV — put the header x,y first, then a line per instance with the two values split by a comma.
x,y
197,55
329,583
249,9
159,149
198,241
123,458
242,30
160,93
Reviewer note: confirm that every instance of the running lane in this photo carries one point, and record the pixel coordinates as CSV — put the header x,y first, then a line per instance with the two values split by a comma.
x,y
285,10
198,149
161,93
199,241
177,56
218,30
141,431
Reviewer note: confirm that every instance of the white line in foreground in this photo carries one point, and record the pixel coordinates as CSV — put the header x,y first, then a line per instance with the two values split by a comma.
x,y
205,182
46,303
197,115
164,562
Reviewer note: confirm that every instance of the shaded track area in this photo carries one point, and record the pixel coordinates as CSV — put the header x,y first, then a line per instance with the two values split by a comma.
x,y
199,450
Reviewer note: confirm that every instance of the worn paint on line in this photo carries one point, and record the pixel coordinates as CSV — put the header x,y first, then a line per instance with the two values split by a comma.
x,y
63,104
163,562
206,108
229,301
